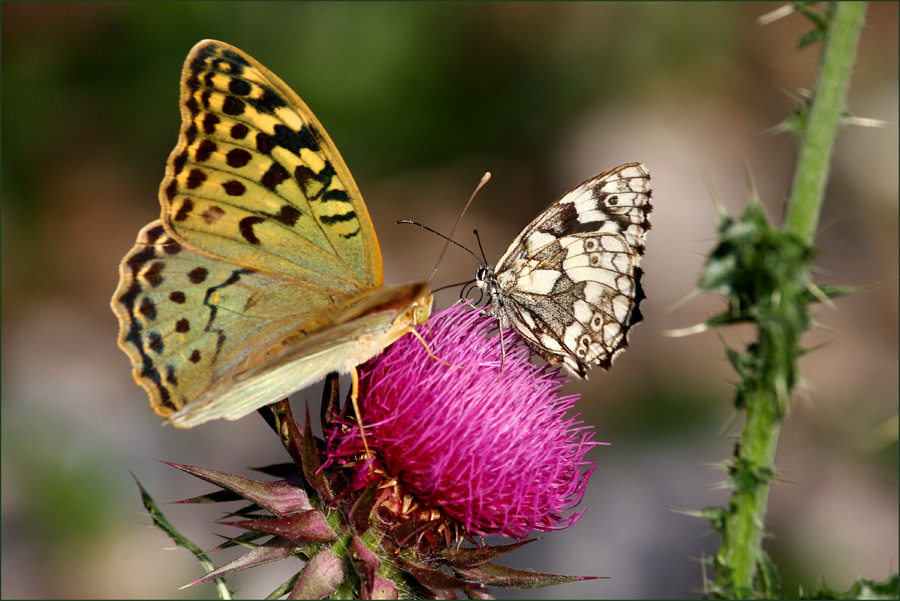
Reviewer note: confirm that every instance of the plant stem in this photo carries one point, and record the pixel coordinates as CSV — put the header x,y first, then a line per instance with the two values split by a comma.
x,y
769,369
742,537
825,114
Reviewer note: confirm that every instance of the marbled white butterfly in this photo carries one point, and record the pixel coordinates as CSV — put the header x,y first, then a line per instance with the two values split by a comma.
x,y
570,283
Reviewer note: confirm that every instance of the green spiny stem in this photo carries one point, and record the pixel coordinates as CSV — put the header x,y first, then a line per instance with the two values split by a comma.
x,y
740,559
743,528
811,175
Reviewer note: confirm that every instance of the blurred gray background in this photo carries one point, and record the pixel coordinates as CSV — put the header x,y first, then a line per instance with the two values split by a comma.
x,y
421,99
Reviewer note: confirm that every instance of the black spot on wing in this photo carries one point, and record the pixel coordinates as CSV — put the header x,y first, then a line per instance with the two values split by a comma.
x,y
190,134
340,195
205,150
560,221
238,62
234,188
246,228
170,375
153,276
192,83
209,123
172,190
305,176
237,158
184,210
191,105
198,275
288,215
274,175
207,93
635,316
195,179
179,162
239,86
343,217
147,308
233,106
268,102
239,131
171,247
265,143
155,343
287,138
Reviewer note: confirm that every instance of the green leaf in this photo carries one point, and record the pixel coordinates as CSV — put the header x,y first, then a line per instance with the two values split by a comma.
x,y
160,521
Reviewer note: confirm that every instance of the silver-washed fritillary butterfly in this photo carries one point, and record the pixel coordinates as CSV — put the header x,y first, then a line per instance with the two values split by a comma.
x,y
263,273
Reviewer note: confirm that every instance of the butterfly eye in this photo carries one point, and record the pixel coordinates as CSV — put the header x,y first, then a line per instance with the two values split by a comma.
x,y
420,314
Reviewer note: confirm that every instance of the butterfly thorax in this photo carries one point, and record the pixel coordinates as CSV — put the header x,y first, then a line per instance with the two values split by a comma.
x,y
486,281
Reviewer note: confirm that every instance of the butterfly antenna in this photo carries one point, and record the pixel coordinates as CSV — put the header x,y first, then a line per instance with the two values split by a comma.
x,y
484,179
481,248
453,285
437,233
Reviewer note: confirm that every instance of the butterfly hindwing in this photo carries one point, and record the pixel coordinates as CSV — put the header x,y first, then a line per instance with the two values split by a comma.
x,y
293,360
570,283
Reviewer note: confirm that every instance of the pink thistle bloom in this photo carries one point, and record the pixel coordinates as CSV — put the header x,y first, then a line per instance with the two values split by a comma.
x,y
492,452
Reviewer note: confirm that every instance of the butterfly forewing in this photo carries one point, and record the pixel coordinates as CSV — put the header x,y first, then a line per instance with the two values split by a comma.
x,y
570,283
255,179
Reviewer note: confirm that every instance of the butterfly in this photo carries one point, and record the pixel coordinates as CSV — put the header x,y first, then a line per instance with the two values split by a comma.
x,y
570,283
263,273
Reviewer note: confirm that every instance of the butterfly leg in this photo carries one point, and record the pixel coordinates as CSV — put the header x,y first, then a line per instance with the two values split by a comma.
x,y
502,354
412,331
354,396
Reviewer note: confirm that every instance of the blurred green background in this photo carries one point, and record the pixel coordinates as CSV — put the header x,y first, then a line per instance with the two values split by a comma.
x,y
421,99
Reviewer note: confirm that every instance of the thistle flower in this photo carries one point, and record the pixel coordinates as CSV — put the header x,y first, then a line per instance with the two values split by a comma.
x,y
491,451
460,448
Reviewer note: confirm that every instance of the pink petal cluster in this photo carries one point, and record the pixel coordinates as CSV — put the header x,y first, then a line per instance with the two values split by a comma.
x,y
492,450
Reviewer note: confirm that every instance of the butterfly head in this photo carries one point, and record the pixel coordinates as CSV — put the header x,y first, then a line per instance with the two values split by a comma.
x,y
483,277
486,282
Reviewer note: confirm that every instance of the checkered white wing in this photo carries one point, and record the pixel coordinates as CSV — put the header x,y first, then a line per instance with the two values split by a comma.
x,y
570,283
